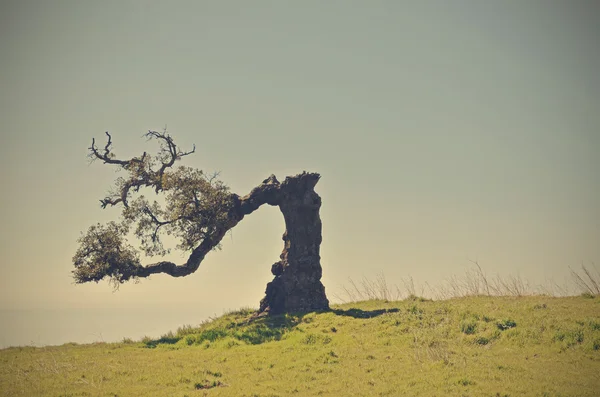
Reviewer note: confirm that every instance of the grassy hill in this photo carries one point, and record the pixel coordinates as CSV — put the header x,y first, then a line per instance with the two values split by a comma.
x,y
471,346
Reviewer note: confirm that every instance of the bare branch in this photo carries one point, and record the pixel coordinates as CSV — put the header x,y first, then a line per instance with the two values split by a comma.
x,y
170,151
108,157
109,201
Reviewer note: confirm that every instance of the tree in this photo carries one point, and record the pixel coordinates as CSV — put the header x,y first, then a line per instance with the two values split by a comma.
x,y
199,210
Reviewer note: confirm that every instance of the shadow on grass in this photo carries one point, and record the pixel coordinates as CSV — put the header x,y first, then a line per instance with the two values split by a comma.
x,y
248,328
268,328
358,313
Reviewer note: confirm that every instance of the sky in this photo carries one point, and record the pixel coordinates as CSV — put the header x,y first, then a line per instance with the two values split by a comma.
x,y
444,132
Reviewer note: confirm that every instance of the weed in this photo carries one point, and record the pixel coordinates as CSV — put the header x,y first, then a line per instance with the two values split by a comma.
x,y
468,327
207,384
570,337
594,325
588,280
465,382
377,289
310,339
414,309
186,330
505,324
415,298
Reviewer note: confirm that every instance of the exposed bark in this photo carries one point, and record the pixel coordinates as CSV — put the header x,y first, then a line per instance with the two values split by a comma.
x,y
297,284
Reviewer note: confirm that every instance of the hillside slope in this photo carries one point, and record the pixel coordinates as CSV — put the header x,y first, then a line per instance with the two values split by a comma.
x,y
474,346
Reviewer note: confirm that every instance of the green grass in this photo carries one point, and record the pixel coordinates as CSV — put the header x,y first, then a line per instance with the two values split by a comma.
x,y
472,346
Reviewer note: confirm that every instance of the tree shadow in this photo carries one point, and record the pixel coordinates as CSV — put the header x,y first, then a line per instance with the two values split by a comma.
x,y
261,329
251,328
358,313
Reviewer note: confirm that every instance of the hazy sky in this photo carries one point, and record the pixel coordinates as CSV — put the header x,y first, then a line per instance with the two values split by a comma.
x,y
444,131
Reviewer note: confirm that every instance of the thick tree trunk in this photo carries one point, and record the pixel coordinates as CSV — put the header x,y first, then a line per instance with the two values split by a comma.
x,y
297,284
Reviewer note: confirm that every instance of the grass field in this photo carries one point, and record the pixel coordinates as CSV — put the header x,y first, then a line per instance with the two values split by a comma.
x,y
470,346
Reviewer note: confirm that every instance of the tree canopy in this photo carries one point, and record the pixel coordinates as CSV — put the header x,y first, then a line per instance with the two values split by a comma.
x,y
197,212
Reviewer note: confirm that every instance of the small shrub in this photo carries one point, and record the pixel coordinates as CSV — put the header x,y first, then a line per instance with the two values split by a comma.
x,y
496,334
190,339
482,340
186,330
310,339
540,306
594,325
206,384
505,324
211,335
465,382
468,327
414,309
578,336
588,295
146,339
596,344
570,337
415,298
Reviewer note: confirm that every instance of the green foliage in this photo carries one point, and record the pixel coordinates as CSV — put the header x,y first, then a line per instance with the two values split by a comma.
x,y
237,326
103,252
482,340
594,325
196,208
505,324
570,337
468,327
